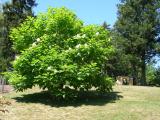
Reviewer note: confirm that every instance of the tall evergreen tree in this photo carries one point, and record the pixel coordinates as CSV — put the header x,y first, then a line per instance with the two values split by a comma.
x,y
14,13
3,61
17,11
106,26
139,24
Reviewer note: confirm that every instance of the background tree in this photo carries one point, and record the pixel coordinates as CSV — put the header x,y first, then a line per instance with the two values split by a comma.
x,y
106,26
139,25
157,77
118,64
3,61
150,74
14,13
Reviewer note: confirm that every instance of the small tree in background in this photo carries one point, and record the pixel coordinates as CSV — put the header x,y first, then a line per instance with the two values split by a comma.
x,y
59,53
150,74
157,77
153,75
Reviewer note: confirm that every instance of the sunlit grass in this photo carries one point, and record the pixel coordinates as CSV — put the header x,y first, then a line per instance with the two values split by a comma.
x,y
125,103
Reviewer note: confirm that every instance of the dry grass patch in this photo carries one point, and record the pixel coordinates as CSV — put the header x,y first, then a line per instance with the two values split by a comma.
x,y
125,103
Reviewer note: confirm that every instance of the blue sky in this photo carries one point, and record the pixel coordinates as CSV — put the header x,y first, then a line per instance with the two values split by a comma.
x,y
90,11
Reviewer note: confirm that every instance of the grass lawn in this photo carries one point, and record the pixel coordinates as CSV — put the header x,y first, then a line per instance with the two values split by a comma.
x,y
125,103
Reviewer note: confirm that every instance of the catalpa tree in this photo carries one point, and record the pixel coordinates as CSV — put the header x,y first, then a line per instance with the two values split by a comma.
x,y
57,52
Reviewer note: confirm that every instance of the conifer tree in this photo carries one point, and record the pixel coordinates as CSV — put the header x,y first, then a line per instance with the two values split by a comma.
x,y
13,13
139,25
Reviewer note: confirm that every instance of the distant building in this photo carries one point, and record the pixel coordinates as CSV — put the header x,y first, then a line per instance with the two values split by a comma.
x,y
124,80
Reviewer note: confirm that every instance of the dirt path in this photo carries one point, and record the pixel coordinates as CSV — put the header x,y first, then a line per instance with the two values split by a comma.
x,y
5,88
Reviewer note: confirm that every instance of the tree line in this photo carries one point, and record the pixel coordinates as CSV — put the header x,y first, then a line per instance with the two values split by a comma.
x,y
135,37
138,35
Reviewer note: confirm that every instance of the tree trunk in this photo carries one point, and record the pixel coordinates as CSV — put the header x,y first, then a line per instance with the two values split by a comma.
x,y
143,71
134,74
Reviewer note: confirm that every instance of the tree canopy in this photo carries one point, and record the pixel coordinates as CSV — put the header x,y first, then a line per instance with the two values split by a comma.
x,y
61,54
139,25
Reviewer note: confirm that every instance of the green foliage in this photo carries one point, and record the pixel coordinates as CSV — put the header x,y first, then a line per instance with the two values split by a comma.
x,y
157,77
59,53
150,74
11,15
16,11
3,61
119,64
139,25
153,75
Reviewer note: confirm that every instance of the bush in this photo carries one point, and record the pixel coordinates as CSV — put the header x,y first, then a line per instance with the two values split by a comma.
x,y
153,75
57,52
157,77
150,74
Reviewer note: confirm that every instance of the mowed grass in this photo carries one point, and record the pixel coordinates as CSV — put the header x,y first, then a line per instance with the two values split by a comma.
x,y
124,103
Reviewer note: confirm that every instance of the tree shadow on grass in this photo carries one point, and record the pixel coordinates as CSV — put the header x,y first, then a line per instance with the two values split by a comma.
x,y
86,98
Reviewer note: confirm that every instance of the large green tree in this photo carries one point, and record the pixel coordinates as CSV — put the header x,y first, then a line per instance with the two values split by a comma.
x,y
13,13
61,54
139,25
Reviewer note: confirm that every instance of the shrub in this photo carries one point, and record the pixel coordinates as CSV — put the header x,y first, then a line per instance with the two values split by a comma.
x,y
153,75
57,52
157,77
150,74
